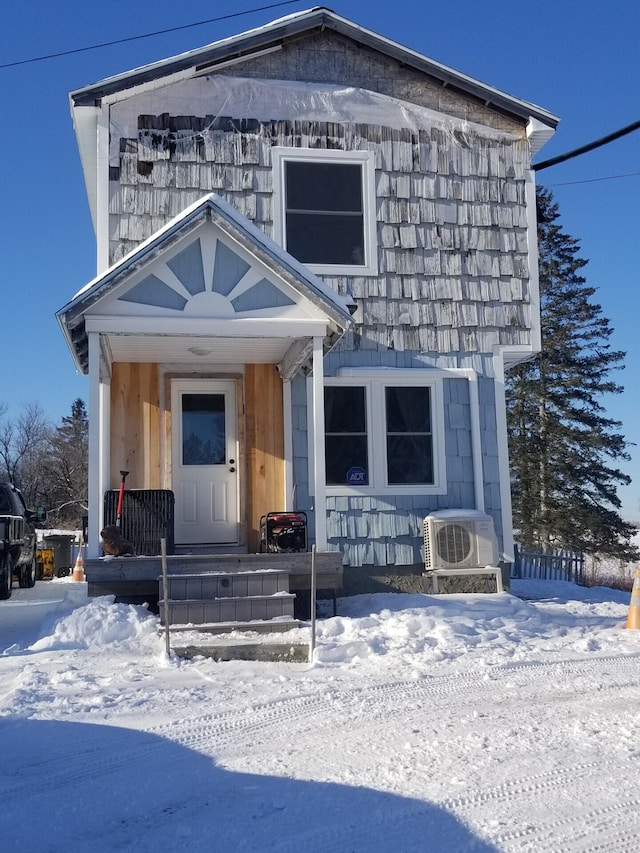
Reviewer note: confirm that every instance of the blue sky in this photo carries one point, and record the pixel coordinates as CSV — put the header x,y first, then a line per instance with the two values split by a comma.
x,y
580,61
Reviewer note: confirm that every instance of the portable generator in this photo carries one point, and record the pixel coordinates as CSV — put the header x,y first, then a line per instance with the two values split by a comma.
x,y
283,532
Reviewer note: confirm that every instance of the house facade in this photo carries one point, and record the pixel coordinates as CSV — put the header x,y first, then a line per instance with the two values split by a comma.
x,y
316,260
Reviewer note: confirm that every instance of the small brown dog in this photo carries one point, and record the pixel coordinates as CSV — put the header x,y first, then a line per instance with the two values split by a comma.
x,y
114,544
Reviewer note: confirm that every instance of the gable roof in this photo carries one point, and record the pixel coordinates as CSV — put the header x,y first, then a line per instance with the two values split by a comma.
x,y
336,309
88,101
270,36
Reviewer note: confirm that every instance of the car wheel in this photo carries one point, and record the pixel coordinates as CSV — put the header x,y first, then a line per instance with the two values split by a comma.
x,y
27,577
6,577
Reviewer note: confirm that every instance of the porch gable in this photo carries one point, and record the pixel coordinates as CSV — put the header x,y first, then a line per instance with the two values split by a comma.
x,y
212,275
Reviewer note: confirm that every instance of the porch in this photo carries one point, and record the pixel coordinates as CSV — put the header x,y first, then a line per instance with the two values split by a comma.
x,y
137,580
191,343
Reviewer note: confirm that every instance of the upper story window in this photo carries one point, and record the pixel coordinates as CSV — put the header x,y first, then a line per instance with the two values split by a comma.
x,y
324,209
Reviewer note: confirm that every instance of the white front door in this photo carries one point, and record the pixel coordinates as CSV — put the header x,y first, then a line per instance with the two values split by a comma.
x,y
204,461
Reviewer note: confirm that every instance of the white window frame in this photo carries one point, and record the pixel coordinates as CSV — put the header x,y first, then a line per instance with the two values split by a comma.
x,y
280,156
375,384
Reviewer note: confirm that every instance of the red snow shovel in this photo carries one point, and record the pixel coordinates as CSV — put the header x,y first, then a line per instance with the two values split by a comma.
x,y
123,474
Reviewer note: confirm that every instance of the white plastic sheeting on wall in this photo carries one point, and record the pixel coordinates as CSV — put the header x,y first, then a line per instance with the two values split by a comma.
x,y
274,100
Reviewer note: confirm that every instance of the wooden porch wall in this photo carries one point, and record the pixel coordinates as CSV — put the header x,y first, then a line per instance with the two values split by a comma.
x,y
135,425
265,446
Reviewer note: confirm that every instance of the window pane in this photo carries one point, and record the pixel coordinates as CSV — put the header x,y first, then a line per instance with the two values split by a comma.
x,y
346,446
409,459
408,409
409,439
326,238
324,218
203,429
323,186
344,410
344,453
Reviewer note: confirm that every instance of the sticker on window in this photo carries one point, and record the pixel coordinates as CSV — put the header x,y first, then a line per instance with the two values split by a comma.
x,y
357,476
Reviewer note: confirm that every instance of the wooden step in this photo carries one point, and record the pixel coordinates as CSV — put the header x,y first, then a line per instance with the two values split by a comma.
x,y
239,609
222,584
285,652
260,626
276,648
135,579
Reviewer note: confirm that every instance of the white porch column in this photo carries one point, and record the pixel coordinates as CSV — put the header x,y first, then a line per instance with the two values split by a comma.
x,y
319,471
99,453
288,498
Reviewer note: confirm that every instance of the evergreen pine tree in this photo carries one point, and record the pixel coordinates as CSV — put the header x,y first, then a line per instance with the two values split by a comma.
x,y
562,446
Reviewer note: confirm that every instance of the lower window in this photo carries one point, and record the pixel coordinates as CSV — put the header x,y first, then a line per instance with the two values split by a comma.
x,y
345,431
409,436
381,436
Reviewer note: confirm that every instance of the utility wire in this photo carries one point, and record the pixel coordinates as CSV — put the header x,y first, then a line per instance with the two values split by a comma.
x,y
553,161
145,35
537,167
594,180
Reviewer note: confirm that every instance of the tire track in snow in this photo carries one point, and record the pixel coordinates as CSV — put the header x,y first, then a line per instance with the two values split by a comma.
x,y
532,784
575,832
202,733
221,728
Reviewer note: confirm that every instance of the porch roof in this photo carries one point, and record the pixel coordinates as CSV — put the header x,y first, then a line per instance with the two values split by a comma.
x,y
274,336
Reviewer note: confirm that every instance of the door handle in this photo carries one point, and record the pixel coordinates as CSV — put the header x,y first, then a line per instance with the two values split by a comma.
x,y
232,469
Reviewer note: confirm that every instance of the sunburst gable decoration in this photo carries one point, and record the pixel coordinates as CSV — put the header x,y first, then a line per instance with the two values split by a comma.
x,y
228,270
263,294
188,268
153,291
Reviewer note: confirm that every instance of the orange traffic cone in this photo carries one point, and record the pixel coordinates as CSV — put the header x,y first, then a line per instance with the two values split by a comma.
x,y
633,619
78,569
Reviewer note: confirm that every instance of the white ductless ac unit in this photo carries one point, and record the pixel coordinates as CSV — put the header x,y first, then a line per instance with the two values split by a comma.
x,y
459,539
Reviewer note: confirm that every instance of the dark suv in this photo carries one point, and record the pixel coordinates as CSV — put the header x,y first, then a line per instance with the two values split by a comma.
x,y
17,539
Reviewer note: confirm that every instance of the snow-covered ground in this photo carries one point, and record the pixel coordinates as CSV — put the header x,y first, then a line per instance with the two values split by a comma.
x,y
452,723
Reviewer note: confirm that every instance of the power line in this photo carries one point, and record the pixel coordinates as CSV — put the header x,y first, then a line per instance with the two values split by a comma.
x,y
593,180
604,140
145,35
536,167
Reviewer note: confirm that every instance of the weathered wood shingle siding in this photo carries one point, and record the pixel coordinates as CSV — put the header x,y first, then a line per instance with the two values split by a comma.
x,y
452,274
444,198
331,58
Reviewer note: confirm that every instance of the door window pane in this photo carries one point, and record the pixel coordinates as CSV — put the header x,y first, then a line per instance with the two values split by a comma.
x,y
409,436
203,429
346,446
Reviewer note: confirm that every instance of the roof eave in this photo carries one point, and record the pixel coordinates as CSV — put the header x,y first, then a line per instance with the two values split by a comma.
x,y
248,43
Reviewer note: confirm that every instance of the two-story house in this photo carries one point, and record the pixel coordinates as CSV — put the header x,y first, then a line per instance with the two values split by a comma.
x,y
316,260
